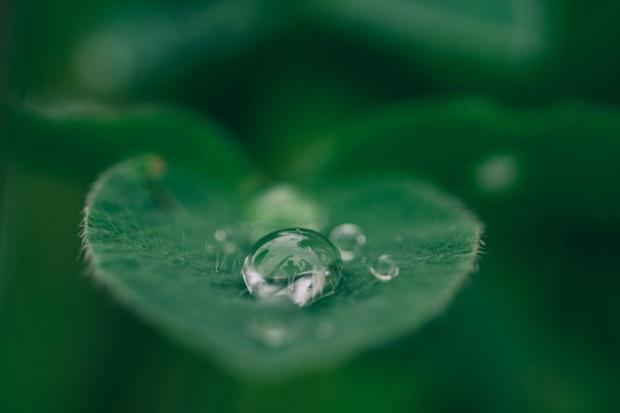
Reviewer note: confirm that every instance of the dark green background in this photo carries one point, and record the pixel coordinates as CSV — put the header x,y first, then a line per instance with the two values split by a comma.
x,y
307,92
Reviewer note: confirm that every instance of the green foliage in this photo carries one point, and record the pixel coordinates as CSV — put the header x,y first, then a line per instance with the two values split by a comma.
x,y
497,156
146,231
507,32
318,91
84,139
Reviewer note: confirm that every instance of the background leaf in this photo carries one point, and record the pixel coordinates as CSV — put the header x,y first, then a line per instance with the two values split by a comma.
x,y
531,159
146,232
83,139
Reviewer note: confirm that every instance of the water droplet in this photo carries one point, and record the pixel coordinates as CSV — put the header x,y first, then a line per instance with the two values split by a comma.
x,y
228,240
384,268
497,174
220,235
349,239
299,264
224,249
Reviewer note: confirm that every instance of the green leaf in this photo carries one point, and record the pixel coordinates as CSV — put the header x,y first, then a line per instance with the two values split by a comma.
x,y
121,49
527,163
82,139
148,230
507,32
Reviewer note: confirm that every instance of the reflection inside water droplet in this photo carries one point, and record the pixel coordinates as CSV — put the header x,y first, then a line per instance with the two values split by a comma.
x,y
384,268
298,264
349,239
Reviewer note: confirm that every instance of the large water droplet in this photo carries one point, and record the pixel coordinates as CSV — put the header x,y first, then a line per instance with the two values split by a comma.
x,y
299,264
384,268
349,239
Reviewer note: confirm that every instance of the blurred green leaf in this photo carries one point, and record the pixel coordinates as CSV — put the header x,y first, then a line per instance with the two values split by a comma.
x,y
509,33
528,160
82,139
146,232
139,50
115,50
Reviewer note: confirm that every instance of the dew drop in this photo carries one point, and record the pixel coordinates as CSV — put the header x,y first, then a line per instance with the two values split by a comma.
x,y
349,238
384,268
298,264
224,249
220,235
229,241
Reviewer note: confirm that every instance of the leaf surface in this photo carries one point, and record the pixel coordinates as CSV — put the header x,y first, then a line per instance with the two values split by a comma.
x,y
148,235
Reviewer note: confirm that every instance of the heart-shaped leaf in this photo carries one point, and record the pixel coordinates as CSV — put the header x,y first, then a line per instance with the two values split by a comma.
x,y
149,236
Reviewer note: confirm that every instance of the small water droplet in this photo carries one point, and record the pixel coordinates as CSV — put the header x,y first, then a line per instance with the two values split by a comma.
x,y
225,251
220,235
384,268
299,264
349,238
